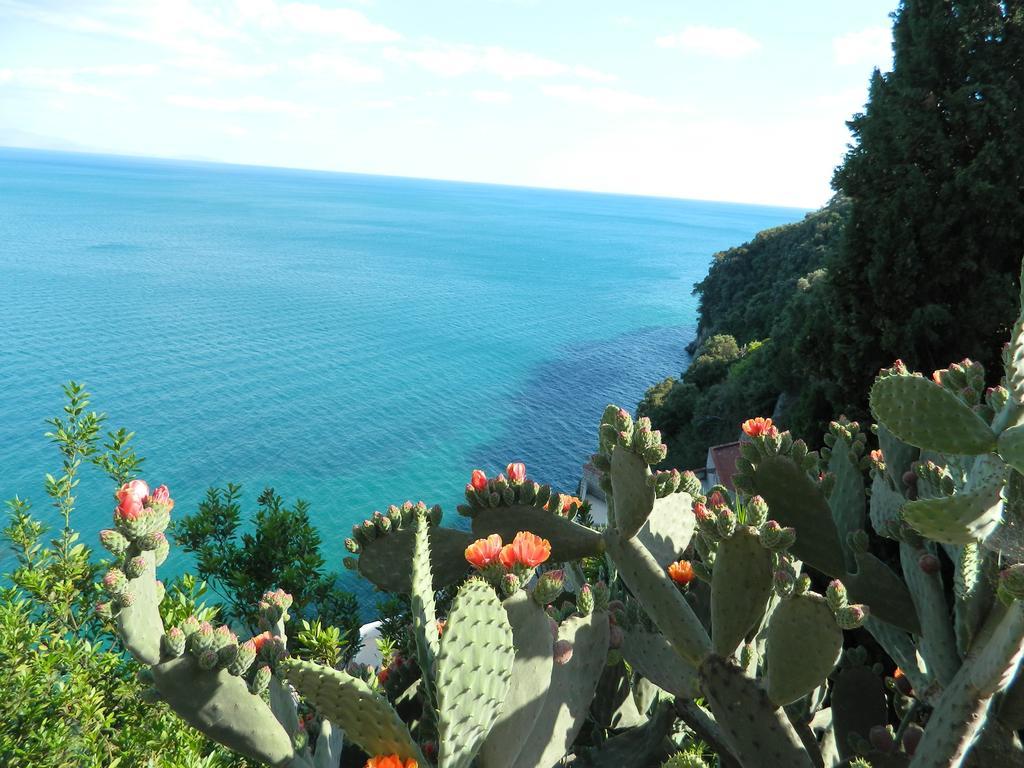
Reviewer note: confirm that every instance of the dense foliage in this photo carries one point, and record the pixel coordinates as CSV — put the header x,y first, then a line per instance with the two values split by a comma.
x,y
281,551
916,258
928,268
758,313
69,695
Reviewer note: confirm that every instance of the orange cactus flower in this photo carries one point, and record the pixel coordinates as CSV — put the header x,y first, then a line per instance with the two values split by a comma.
x,y
526,549
759,427
390,761
262,639
681,572
483,552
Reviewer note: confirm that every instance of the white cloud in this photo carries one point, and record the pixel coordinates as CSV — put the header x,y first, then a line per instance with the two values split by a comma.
x,y
729,159
68,80
173,24
717,42
871,46
222,67
492,97
240,104
608,99
458,60
312,19
338,67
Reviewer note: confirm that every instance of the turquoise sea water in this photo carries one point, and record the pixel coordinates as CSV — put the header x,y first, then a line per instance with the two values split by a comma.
x,y
352,340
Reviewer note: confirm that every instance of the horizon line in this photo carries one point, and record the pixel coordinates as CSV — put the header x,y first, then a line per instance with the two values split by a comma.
x,y
335,172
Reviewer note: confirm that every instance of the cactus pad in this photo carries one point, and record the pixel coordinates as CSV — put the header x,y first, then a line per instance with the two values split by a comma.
x,y
653,657
572,689
858,704
378,558
741,583
531,678
669,528
138,621
796,500
220,705
1011,447
662,601
632,491
474,672
924,414
966,517
759,731
803,647
367,718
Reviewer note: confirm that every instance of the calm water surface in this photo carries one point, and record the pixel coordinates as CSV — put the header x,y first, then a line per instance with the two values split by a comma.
x,y
351,340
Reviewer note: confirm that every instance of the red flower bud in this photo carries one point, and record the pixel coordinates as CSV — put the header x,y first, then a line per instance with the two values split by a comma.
x,y
516,473
478,480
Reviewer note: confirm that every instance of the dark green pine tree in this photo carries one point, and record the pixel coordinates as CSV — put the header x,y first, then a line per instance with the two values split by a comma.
x,y
928,269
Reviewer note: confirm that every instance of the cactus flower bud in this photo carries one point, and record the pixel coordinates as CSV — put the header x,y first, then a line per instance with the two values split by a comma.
x,y
585,600
516,473
104,610
757,511
549,587
190,625
208,660
135,567
852,616
160,495
115,582
690,483
274,606
929,563
836,595
260,680
681,572
478,480
114,542
726,522
802,584
912,738
717,499
510,584
244,658
601,596
784,581
562,651
172,644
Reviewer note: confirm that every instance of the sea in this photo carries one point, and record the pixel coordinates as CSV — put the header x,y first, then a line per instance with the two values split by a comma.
x,y
351,340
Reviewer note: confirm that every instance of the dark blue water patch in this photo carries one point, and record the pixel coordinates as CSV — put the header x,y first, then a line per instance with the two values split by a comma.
x,y
554,416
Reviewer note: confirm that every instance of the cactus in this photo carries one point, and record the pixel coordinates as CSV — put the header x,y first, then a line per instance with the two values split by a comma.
x,y
702,610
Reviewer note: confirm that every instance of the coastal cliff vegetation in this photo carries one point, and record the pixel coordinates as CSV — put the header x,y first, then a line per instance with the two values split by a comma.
x,y
915,258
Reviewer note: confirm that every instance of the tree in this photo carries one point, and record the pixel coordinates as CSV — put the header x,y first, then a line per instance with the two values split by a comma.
x,y
927,271
282,551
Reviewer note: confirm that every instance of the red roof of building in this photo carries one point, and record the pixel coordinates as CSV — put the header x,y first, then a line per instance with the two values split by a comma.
x,y
724,458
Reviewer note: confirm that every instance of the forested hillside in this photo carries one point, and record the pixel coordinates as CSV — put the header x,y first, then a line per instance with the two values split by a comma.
x,y
916,258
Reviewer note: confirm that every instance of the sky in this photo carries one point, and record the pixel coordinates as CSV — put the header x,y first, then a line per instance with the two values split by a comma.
x,y
743,101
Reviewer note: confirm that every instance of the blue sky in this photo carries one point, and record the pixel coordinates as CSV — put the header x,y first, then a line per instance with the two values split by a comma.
x,y
743,101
